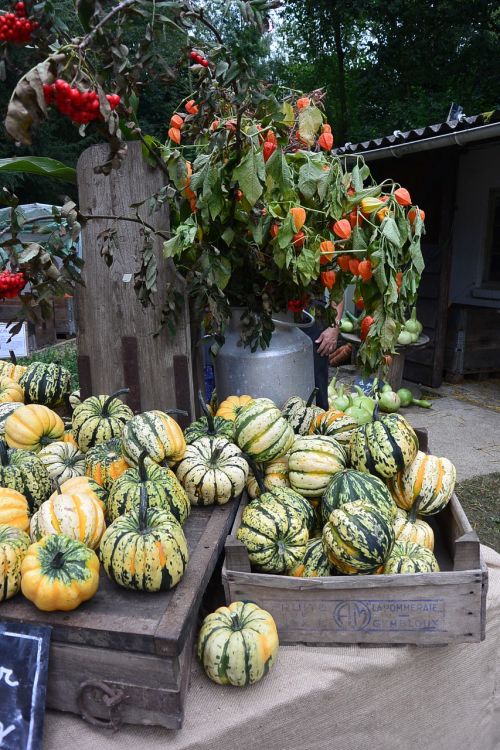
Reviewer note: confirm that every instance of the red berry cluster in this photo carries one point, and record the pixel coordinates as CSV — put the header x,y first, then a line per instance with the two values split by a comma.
x,y
11,283
80,106
15,27
198,58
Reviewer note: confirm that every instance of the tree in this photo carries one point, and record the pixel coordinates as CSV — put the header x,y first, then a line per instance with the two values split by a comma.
x,y
393,65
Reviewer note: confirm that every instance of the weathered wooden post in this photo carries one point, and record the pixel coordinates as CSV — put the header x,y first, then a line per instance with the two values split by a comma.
x,y
117,345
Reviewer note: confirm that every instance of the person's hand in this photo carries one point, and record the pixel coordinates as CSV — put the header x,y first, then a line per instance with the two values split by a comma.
x,y
327,341
341,356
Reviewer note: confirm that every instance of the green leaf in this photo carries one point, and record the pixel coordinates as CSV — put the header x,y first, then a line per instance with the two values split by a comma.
x,y
356,179
288,114
310,121
416,255
286,232
221,68
173,247
389,230
378,260
216,268
250,174
388,332
310,175
40,165
358,239
228,235
278,170
212,192
30,252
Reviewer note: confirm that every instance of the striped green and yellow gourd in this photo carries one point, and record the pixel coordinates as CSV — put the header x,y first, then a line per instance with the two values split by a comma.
x,y
428,479
45,383
407,557
262,432
287,496
145,549
274,534
212,471
358,538
275,474
105,463
208,425
78,517
156,433
349,485
99,419
409,528
24,471
313,461
162,487
14,544
300,413
237,645
335,424
385,446
315,563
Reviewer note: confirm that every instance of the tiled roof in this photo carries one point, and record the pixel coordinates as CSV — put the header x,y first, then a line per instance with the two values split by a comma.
x,y
417,134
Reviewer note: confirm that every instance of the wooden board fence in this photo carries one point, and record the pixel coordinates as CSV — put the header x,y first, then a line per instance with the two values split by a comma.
x,y
117,345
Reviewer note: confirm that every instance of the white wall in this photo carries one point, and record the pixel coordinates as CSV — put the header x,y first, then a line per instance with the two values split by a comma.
x,y
479,172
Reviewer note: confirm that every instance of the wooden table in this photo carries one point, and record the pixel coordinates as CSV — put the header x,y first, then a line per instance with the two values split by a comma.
x,y
125,656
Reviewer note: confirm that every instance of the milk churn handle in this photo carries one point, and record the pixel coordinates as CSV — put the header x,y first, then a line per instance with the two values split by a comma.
x,y
309,323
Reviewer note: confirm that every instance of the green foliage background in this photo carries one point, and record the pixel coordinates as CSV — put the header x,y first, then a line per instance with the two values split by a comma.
x,y
384,65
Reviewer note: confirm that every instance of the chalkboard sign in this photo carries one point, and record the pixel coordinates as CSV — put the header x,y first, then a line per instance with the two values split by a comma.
x,y
24,658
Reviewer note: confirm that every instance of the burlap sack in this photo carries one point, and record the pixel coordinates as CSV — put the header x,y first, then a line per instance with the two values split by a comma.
x,y
335,698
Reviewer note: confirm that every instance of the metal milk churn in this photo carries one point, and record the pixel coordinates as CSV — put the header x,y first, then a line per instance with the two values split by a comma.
x,y
284,369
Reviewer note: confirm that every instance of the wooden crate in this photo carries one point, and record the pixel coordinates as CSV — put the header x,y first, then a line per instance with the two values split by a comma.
x,y
125,656
422,609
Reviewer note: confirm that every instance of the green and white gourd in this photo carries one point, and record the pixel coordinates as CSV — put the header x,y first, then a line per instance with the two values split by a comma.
x,y
274,534
99,419
300,413
349,486
407,557
261,432
163,491
313,461
208,425
213,471
385,446
45,383
24,471
63,461
145,549
358,538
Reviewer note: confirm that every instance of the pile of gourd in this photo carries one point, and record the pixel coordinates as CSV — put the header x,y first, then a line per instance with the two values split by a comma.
x,y
59,488
331,497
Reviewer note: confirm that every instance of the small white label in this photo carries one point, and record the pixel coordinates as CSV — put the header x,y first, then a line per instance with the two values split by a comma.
x,y
18,343
127,277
